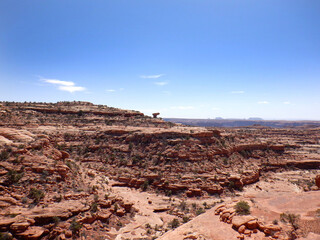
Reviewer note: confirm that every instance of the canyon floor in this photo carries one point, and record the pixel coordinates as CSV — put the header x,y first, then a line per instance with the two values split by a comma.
x,y
74,170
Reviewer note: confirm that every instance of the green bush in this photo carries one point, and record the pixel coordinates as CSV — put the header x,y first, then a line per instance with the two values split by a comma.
x,y
94,207
13,176
56,220
4,155
174,223
75,227
145,185
242,208
36,194
185,219
290,218
5,236
200,211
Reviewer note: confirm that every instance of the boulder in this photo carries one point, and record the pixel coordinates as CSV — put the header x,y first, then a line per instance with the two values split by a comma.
x,y
253,224
32,233
213,189
237,221
88,218
241,229
6,222
104,215
224,216
194,192
19,227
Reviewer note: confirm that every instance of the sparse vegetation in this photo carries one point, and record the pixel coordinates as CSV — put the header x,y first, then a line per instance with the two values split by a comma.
x,y
174,223
290,218
75,227
13,176
4,155
94,207
36,194
185,219
200,211
5,236
242,208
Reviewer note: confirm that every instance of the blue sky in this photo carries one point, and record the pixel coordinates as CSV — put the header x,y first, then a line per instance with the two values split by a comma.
x,y
182,58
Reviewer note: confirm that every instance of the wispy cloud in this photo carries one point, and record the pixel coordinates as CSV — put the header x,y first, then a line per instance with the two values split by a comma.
x,y
64,85
160,83
152,76
215,109
237,92
263,102
71,89
58,82
182,107
286,102
110,90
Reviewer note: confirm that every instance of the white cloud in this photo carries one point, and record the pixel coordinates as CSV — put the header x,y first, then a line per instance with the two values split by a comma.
x,y
215,109
287,102
263,102
110,90
64,85
58,82
237,92
152,76
182,107
160,83
71,88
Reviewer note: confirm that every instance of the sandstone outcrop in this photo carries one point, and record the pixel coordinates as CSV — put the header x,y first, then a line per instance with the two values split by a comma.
x,y
59,165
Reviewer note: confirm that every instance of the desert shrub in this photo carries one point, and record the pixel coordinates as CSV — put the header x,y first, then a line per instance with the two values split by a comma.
x,y
174,223
168,193
80,113
200,211
183,206
5,236
96,197
24,200
94,207
225,161
75,227
36,194
56,220
242,208
13,176
57,198
145,185
106,196
290,218
116,207
185,219
232,185
4,155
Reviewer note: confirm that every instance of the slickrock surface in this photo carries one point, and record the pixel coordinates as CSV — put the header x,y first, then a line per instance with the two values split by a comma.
x,y
84,171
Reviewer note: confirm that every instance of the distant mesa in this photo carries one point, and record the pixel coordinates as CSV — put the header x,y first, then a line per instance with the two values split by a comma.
x,y
218,118
255,119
